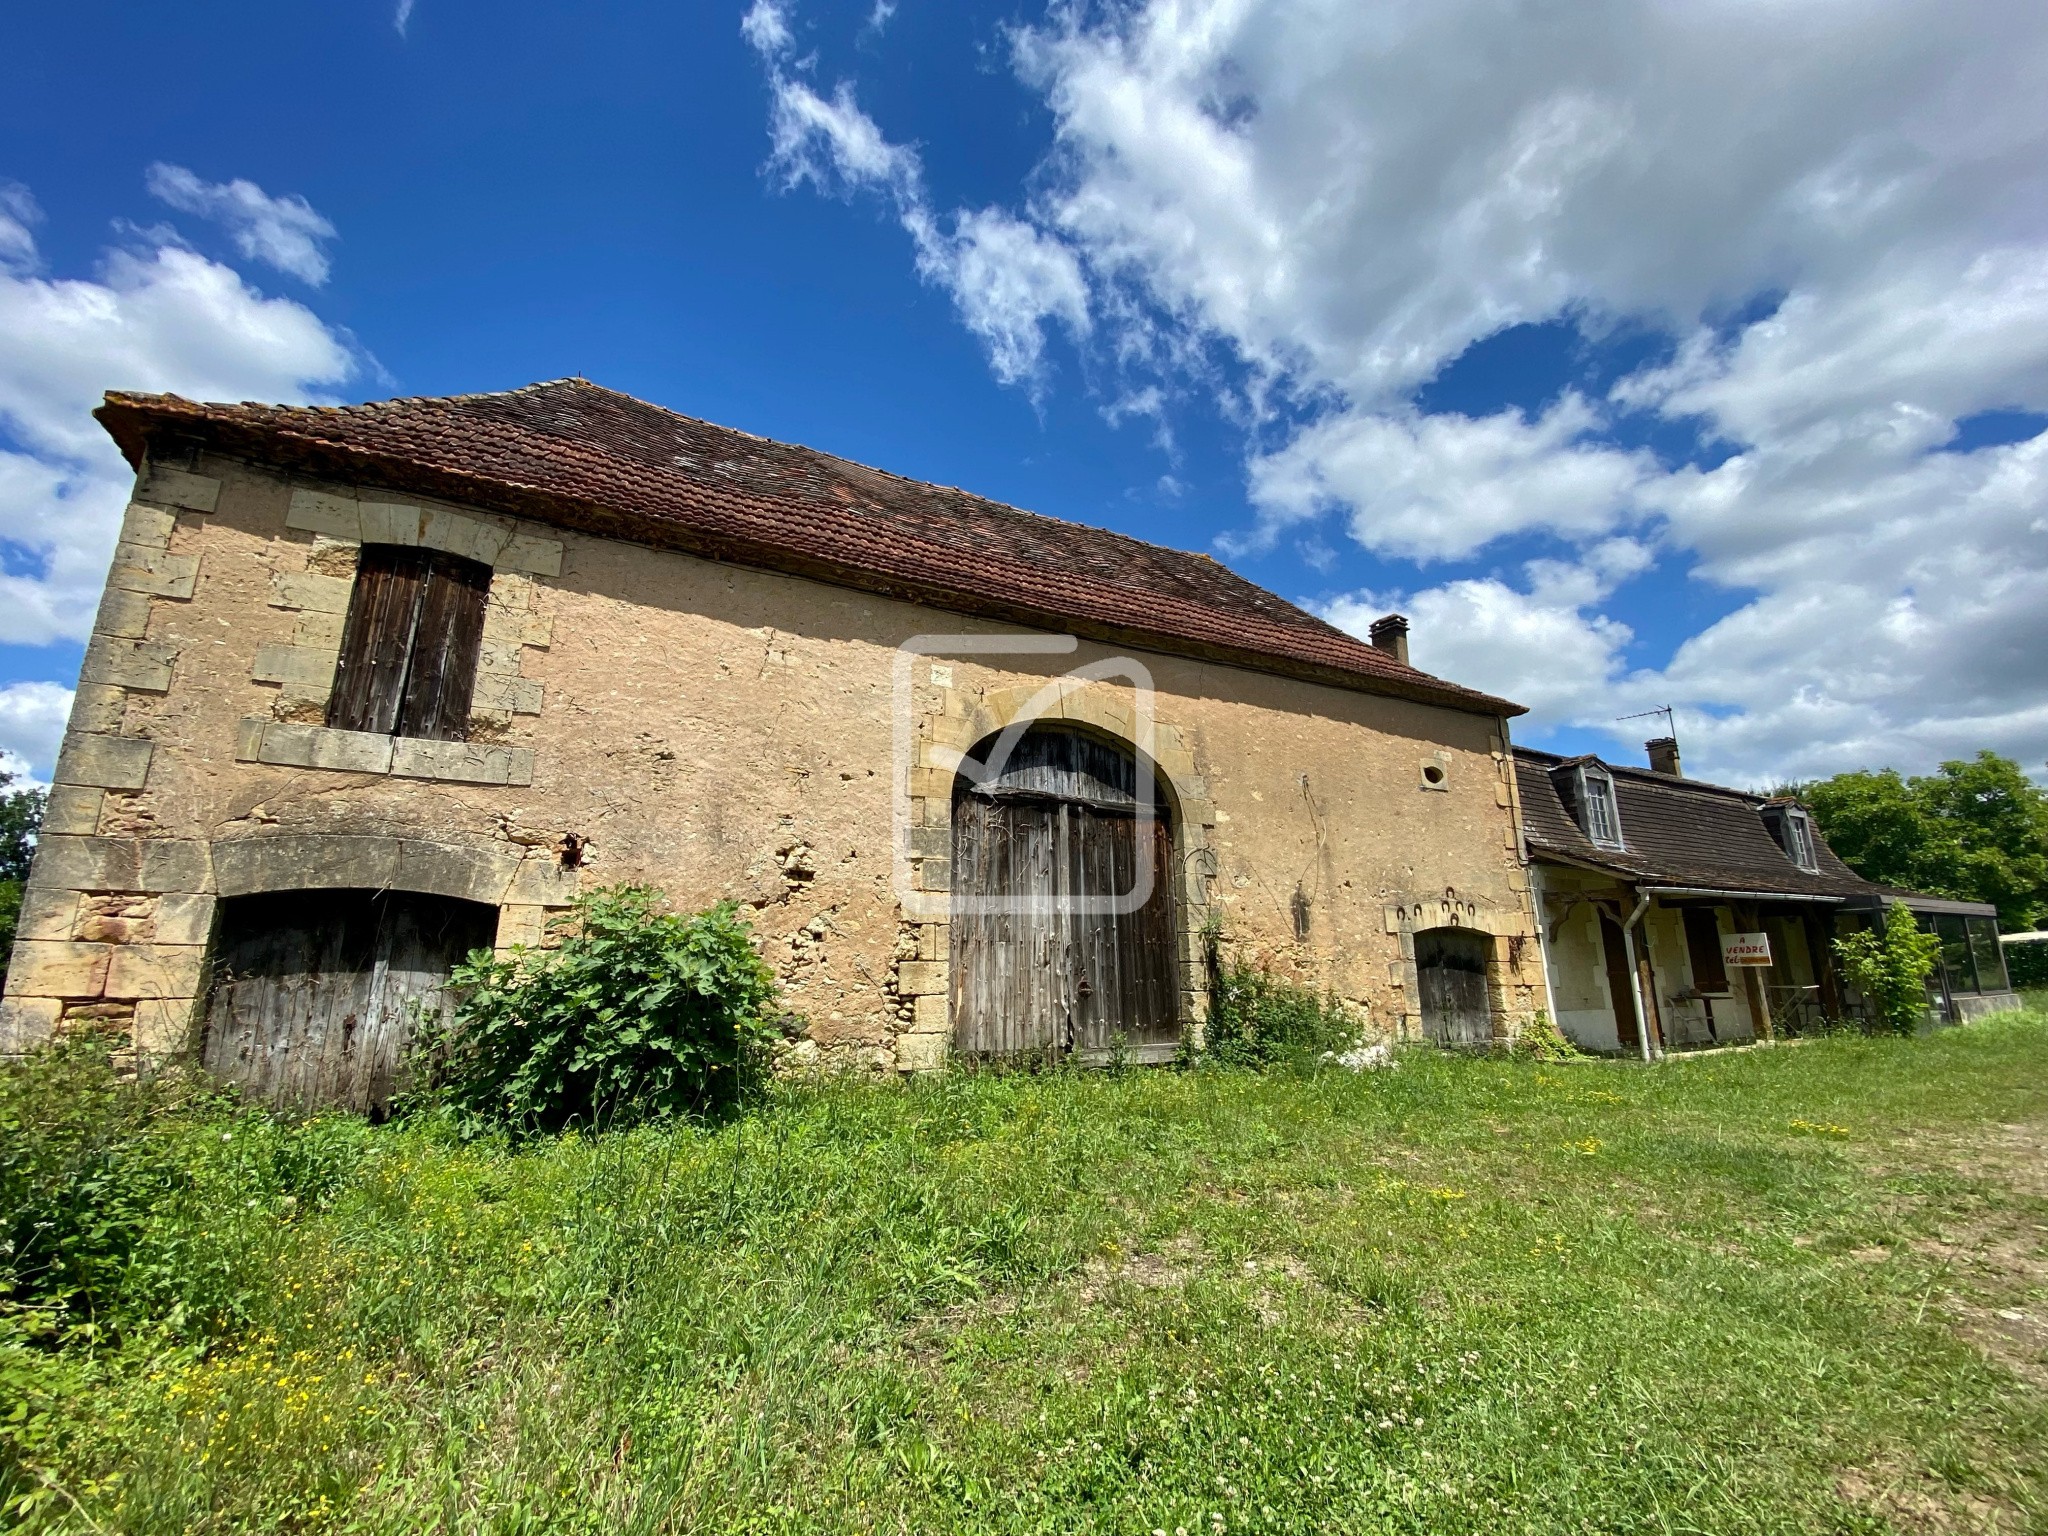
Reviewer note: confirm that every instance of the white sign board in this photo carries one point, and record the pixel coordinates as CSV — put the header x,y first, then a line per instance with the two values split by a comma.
x,y
1746,949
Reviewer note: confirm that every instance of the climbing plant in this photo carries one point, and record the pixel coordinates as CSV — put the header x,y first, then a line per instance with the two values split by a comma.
x,y
1890,967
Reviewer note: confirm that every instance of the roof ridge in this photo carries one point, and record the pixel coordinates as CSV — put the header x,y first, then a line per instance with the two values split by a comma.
x,y
735,494
1649,776
1306,618
907,480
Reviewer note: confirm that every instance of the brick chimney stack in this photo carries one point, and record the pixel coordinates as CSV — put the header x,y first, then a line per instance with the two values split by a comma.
x,y
1391,635
1664,756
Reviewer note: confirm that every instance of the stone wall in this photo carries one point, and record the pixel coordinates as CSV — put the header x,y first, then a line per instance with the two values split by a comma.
x,y
719,731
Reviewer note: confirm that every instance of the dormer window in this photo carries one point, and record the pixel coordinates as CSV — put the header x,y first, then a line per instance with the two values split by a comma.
x,y
1587,790
1597,809
1799,840
1792,829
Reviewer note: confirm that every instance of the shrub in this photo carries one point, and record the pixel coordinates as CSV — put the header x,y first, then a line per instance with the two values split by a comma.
x,y
1890,966
1258,1020
1542,1040
2026,965
125,1198
642,1013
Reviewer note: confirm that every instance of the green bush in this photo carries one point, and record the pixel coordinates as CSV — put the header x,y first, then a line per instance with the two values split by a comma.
x,y
2026,965
125,1198
641,1014
1542,1040
1258,1020
1890,967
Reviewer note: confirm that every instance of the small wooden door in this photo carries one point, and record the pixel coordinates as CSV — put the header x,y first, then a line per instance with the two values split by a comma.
x,y
1450,971
1619,983
316,993
1044,957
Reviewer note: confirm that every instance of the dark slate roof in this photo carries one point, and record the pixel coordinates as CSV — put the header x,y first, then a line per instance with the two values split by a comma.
x,y
571,453
1679,831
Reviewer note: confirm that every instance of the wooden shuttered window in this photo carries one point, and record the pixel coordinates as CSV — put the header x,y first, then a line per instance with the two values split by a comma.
x,y
409,647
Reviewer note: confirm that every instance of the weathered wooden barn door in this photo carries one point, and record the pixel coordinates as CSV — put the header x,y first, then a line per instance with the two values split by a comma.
x,y
1045,956
316,993
1450,972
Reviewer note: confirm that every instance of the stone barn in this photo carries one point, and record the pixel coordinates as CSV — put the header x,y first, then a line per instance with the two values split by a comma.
x,y
375,685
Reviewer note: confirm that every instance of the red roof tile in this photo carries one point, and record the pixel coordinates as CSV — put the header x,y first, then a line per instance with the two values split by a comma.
x,y
571,453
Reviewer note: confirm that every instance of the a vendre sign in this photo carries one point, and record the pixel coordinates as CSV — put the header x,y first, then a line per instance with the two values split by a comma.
x,y
1746,949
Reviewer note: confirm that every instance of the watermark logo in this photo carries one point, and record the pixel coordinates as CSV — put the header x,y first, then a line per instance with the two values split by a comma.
x,y
922,867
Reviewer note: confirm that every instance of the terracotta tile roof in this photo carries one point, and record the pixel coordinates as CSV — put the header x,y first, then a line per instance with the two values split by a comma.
x,y
1684,832
571,453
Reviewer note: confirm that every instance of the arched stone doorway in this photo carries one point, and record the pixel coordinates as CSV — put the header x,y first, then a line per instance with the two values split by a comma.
x,y
1064,932
316,994
1450,977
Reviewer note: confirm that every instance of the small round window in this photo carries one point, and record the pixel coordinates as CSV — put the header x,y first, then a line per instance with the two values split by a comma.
x,y
1434,774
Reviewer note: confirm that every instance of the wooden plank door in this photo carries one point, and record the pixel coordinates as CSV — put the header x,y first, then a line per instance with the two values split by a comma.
x,y
317,993
1042,959
1450,973
1620,983
1122,984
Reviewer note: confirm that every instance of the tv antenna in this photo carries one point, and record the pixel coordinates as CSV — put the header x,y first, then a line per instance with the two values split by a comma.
x,y
1670,722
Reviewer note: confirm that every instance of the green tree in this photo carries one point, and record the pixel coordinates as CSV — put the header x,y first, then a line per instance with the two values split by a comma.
x,y
1976,830
21,815
1890,967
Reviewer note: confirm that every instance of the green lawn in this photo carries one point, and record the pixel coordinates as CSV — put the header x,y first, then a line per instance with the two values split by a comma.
x,y
1798,1289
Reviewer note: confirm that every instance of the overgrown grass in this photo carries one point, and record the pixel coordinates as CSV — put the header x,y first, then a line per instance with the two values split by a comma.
x,y
1730,1294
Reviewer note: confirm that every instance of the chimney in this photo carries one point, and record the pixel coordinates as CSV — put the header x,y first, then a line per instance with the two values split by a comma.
x,y
1664,756
1391,635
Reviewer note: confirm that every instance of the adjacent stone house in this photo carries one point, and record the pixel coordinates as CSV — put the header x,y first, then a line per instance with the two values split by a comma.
x,y
372,685
1682,914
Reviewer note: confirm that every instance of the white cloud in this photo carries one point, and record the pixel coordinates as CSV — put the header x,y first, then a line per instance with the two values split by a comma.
x,y
833,144
1347,197
1344,198
32,717
1442,486
1353,194
402,17
1007,278
154,319
766,27
18,218
880,15
284,232
1540,644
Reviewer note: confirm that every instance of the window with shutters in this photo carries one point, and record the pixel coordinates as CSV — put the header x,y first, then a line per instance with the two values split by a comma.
x,y
409,647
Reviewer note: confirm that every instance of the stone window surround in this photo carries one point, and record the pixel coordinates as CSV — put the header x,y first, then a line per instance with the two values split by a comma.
x,y
342,521
966,716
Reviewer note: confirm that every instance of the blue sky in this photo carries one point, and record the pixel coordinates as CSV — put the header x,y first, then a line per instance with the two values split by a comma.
x,y
1637,375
